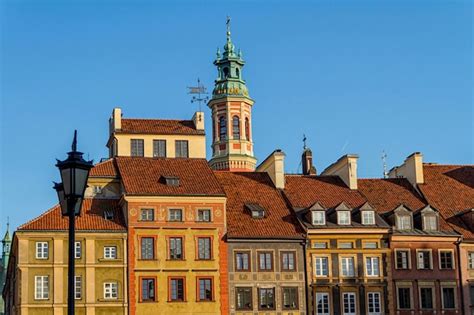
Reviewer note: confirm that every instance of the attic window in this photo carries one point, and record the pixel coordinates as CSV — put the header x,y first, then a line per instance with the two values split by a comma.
x,y
108,215
368,217
403,222
171,180
430,222
344,217
256,210
318,217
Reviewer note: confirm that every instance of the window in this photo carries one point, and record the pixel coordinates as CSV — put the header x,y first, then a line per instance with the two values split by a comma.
x,y
204,248
175,215
77,250
147,215
343,218
288,261
171,180
110,290
373,303
372,266
237,73
445,259
247,129
345,245
176,289
318,217
424,259
236,127
205,289
403,222
41,250
256,210
320,245
430,223
347,266
181,148
147,248
222,129
265,261
77,287
371,245
322,304
204,215
404,301
368,217
266,298
349,303
108,215
290,298
471,293
242,261
148,290
176,248
470,257
402,259
448,298
243,298
426,298
159,148
41,287
136,147
110,252
321,266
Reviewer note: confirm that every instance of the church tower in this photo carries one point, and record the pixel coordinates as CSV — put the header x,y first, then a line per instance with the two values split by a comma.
x,y
231,105
6,244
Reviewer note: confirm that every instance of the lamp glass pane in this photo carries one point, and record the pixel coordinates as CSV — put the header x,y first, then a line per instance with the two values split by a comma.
x,y
81,181
66,174
77,206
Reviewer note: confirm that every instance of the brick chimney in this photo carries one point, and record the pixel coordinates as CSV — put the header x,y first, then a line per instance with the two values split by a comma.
x,y
307,162
346,169
274,165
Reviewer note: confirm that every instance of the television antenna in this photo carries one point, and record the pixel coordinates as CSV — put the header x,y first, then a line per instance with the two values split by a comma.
x,y
199,92
384,160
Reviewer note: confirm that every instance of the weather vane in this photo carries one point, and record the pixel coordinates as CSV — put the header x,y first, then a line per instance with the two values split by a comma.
x,y
304,142
201,92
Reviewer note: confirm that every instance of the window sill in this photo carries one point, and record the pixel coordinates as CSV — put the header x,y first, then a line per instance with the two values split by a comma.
x,y
146,259
175,259
110,259
177,301
212,259
110,300
205,301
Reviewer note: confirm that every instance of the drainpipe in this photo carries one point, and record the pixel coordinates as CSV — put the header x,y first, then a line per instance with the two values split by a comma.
x,y
306,276
460,273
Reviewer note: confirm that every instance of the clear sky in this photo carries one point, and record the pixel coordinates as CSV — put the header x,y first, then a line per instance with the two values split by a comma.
x,y
354,76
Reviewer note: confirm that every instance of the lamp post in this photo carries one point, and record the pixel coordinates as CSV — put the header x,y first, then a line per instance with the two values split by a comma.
x,y
74,173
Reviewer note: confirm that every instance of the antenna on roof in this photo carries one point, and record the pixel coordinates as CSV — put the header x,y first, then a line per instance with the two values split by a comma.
x,y
384,161
304,141
201,92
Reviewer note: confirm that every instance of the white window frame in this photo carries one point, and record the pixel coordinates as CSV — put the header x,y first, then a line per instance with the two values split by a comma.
x,y
326,306
470,260
352,272
110,252
110,290
433,296
452,258
174,220
374,306
41,287
209,211
341,220
77,250
418,259
368,217
321,272
77,287
369,261
429,227
401,226
42,250
408,258
410,290
352,306
318,221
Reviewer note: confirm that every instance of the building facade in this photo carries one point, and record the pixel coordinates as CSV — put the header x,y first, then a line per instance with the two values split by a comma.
x,y
6,245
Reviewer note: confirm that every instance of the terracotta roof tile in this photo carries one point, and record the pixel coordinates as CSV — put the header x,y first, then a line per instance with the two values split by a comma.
x,y
450,189
104,169
305,190
244,188
159,126
144,176
91,218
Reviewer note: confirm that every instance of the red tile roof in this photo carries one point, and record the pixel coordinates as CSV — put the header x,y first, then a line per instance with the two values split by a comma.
x,y
244,188
159,126
450,189
305,190
104,169
144,176
91,218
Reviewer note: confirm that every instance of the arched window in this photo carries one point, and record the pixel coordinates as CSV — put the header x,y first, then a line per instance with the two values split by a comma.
x,y
247,129
226,72
236,127
237,73
222,129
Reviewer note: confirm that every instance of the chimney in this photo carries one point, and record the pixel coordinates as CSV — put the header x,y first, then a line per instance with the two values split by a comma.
x,y
346,169
411,169
274,165
115,121
307,162
198,119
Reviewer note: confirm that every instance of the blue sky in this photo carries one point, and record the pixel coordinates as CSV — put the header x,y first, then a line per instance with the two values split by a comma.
x,y
354,76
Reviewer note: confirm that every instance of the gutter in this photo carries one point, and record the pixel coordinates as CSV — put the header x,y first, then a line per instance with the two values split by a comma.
x,y
460,273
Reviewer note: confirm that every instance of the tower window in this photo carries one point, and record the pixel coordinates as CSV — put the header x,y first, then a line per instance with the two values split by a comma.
x,y
237,73
247,129
236,127
226,72
222,129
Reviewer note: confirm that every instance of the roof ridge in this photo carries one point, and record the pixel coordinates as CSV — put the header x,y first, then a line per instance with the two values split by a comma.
x,y
38,217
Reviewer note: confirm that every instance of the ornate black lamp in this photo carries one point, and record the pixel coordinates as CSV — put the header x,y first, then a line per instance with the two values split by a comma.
x,y
74,174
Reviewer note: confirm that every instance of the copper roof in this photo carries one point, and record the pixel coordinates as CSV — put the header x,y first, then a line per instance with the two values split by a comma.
x,y
159,126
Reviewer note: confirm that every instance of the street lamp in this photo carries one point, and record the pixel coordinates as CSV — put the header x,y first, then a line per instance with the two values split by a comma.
x,y
74,173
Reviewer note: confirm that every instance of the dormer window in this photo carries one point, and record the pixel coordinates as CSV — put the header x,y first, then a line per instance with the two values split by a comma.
x,y
403,222
430,222
318,217
368,217
344,217
256,210
171,180
108,215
